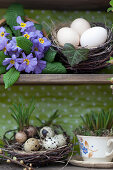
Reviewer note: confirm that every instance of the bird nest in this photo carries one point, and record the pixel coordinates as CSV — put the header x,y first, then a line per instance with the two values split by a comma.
x,y
97,57
41,157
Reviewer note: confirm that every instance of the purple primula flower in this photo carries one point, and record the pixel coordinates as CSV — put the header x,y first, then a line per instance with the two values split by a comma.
x,y
3,44
37,50
40,66
28,63
39,34
43,43
12,47
13,61
31,29
23,25
3,32
30,35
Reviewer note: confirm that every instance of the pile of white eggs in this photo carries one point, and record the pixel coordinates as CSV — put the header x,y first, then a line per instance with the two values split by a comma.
x,y
81,34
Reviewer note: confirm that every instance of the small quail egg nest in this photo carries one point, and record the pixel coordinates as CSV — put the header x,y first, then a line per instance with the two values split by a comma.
x,y
31,144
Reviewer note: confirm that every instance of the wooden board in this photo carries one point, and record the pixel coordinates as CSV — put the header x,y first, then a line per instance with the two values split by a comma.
x,y
59,4
61,79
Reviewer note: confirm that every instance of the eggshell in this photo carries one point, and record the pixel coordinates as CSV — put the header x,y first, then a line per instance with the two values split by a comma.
x,y
80,25
61,139
93,37
46,132
49,143
68,35
31,144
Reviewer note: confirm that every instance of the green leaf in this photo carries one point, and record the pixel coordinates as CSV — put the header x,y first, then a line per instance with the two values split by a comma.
x,y
2,57
2,69
12,13
38,26
110,9
2,143
25,44
8,30
74,56
50,55
111,3
54,68
11,77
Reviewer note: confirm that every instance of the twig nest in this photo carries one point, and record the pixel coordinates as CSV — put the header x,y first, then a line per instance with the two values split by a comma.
x,y
61,139
50,143
21,137
46,132
31,144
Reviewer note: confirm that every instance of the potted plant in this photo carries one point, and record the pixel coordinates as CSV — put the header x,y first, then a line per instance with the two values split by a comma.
x,y
95,136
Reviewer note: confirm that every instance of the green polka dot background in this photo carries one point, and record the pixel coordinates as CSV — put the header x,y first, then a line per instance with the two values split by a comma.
x,y
71,101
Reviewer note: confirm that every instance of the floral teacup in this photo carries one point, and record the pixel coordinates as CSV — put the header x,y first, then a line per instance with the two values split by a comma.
x,y
96,149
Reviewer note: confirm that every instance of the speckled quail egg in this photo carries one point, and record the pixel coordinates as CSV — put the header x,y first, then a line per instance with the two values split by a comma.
x,y
31,144
61,139
50,143
46,132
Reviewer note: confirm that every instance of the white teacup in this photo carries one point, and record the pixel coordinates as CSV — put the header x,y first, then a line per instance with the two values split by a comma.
x,y
96,149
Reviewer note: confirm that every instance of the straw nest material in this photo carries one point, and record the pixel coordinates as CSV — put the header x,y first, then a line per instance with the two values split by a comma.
x,y
41,157
97,57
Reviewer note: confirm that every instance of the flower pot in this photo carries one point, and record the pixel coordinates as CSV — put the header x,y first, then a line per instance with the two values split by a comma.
x,y
96,149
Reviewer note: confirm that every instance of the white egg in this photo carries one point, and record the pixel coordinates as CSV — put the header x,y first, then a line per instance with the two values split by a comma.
x,y
68,35
93,37
80,25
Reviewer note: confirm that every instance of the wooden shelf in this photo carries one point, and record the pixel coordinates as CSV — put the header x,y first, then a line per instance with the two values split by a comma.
x,y
59,4
61,79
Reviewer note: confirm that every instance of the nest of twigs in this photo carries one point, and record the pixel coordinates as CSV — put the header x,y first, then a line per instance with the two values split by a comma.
x,y
38,158
97,57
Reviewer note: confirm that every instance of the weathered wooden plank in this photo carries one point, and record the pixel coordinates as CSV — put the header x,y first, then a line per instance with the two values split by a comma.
x,y
61,79
59,4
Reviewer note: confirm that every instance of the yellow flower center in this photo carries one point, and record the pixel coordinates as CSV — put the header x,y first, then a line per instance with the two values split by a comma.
x,y
4,49
2,34
12,62
23,24
27,61
27,36
35,49
41,40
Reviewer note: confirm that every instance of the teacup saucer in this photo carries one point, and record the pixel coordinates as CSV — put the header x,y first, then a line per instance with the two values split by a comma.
x,y
78,161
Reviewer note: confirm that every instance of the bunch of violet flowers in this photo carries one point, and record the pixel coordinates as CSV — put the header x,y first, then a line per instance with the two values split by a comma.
x,y
15,56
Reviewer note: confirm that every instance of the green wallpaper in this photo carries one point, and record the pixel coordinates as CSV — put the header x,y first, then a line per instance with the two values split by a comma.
x,y
70,100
